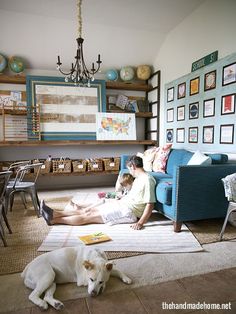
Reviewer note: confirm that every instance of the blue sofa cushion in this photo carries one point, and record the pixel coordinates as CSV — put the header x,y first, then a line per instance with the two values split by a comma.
x,y
177,157
218,158
164,192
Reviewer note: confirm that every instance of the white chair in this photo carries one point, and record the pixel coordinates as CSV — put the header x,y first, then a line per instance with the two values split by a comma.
x,y
24,184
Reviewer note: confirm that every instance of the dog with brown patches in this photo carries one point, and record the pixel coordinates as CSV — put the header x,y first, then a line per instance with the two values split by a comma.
x,y
85,266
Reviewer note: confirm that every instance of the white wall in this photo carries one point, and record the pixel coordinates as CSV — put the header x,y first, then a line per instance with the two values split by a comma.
x,y
210,27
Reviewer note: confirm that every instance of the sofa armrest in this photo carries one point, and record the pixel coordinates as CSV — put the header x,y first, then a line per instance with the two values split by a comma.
x,y
123,160
198,192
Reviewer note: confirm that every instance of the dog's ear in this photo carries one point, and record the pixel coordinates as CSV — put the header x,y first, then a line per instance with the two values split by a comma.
x,y
88,265
109,266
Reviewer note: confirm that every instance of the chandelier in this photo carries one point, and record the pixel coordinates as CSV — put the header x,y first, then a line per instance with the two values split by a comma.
x,y
79,73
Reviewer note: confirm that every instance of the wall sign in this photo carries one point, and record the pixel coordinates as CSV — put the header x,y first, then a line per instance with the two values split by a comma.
x,y
212,57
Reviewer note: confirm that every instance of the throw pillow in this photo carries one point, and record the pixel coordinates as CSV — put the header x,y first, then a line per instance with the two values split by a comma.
x,y
148,157
199,158
160,159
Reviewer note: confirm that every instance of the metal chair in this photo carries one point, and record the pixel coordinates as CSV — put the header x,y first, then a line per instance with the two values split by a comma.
x,y
4,179
24,184
230,192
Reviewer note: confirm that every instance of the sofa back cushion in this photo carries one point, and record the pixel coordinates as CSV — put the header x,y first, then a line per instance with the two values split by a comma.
x,y
177,157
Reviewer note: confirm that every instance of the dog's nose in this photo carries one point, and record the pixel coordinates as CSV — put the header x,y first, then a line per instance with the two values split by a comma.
x,y
93,293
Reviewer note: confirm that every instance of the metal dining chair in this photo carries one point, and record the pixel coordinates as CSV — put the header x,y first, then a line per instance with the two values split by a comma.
x,y
24,184
4,179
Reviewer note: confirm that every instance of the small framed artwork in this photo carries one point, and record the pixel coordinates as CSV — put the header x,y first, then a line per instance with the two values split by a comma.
x,y
181,90
169,135
210,80
180,135
170,94
193,134
193,110
209,108
208,134
180,113
170,115
194,86
229,74
228,104
227,134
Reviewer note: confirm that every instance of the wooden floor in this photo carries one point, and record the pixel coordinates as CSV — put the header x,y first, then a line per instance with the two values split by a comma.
x,y
212,288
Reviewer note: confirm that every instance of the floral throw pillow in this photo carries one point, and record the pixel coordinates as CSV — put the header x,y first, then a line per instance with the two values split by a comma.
x,y
160,159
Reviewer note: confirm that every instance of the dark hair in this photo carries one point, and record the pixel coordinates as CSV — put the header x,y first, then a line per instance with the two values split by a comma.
x,y
135,161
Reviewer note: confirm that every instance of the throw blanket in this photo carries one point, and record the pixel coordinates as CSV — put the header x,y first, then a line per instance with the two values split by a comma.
x,y
230,187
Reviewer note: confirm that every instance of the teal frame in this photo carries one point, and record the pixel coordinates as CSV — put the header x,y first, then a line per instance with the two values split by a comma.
x,y
33,81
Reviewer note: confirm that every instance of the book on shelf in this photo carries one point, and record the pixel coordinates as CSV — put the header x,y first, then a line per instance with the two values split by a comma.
x,y
94,238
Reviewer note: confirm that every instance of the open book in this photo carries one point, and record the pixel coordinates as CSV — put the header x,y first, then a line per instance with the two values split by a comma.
x,y
94,238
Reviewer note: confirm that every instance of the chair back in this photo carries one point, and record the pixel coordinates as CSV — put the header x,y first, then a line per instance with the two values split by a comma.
x,y
4,179
24,170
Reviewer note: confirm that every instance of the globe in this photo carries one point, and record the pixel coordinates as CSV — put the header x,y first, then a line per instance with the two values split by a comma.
x,y
112,75
127,73
16,64
143,72
3,63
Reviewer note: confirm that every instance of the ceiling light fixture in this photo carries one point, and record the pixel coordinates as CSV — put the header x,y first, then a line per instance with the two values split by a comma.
x,y
79,74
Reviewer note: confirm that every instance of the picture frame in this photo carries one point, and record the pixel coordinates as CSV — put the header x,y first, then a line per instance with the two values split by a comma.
x,y
209,108
226,133
170,94
210,80
181,90
193,134
194,110
170,115
169,135
229,74
208,134
67,112
228,104
181,113
194,86
180,135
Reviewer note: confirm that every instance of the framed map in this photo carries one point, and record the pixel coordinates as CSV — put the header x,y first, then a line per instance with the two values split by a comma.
x,y
67,112
115,126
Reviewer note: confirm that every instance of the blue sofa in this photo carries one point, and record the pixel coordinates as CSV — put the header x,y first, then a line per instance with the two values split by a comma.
x,y
185,192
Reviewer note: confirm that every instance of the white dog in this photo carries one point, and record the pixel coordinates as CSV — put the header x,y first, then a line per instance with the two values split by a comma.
x,y
86,267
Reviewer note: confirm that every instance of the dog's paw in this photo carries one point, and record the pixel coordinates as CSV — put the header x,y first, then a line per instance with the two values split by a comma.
x,y
126,280
58,305
43,305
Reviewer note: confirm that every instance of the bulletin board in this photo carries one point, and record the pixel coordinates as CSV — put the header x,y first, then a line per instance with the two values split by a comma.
x,y
200,108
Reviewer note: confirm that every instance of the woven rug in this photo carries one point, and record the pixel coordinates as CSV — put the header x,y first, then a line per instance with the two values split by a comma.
x,y
30,231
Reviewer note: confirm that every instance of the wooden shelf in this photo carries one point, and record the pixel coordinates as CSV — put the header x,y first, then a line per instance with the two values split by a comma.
x,y
137,114
16,112
14,79
128,86
86,173
73,143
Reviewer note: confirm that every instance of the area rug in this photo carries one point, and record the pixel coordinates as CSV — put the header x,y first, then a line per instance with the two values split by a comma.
x,y
30,231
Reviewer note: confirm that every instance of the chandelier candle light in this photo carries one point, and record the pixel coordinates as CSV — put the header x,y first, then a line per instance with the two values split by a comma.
x,y
79,74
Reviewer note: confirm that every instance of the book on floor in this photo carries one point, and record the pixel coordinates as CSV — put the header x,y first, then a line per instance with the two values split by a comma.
x,y
94,238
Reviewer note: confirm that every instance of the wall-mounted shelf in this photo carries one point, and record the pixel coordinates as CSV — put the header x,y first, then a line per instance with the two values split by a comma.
x,y
14,79
129,86
74,143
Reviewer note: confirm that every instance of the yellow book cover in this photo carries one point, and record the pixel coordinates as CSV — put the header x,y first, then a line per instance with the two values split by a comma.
x,y
94,238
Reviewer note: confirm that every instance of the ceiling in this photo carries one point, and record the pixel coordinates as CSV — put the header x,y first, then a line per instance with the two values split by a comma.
x,y
124,32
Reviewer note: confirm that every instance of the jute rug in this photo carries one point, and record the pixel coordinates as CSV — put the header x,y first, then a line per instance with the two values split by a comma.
x,y
30,231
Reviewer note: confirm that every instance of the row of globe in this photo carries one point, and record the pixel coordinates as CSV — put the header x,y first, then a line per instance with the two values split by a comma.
x,y
14,63
127,73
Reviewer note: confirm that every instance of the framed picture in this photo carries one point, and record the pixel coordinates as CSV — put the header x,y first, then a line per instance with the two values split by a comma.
x,y
169,135
180,113
170,115
208,134
229,74
194,86
193,134
170,94
210,80
193,110
209,108
180,135
181,90
227,134
67,112
228,104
